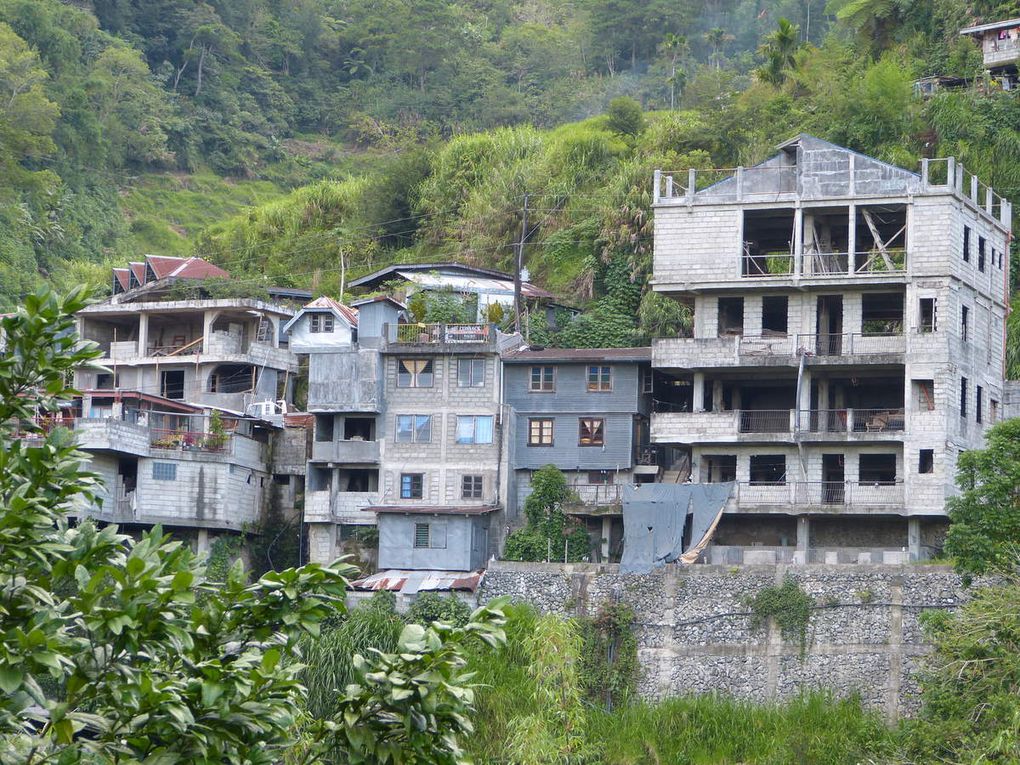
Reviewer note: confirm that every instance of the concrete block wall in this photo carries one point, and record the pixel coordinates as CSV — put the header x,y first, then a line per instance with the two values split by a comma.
x,y
695,635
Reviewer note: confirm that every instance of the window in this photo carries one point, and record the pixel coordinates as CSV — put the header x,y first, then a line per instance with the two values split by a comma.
x,y
775,311
470,373
600,379
430,535
324,427
882,313
877,469
927,320
107,381
925,390
966,244
320,322
281,479
963,396
472,429
540,432
979,394
164,471
993,411
414,428
414,373
411,485
600,477
981,254
768,470
964,322
647,380
543,379
591,431
731,316
471,487
926,461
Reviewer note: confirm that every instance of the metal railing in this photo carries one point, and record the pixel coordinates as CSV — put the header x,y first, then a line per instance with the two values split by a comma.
x,y
891,420
764,420
189,440
598,494
849,343
766,264
821,493
650,454
436,334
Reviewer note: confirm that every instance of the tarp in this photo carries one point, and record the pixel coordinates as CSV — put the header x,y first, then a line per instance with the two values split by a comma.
x,y
654,517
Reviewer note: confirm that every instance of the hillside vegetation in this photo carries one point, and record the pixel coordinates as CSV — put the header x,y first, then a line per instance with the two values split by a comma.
x,y
281,138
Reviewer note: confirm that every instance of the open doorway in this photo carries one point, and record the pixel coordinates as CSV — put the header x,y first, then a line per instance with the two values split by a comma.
x,y
830,325
171,383
833,476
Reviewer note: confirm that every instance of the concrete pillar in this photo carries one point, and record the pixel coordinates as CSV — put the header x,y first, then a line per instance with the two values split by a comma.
x,y
803,539
208,319
607,530
798,240
143,333
914,538
717,395
202,541
805,392
851,241
698,398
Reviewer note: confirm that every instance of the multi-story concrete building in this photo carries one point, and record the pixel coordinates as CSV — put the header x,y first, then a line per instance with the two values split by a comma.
x,y
407,421
180,424
848,344
1000,48
586,412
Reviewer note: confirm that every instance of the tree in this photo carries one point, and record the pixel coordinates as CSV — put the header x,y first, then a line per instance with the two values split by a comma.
x,y
113,650
985,532
717,37
625,116
547,531
780,50
677,48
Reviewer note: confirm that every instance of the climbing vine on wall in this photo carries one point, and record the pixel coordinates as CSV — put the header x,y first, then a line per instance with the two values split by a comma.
x,y
609,663
789,605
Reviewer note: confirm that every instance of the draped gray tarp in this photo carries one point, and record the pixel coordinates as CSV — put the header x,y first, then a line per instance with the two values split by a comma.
x,y
654,517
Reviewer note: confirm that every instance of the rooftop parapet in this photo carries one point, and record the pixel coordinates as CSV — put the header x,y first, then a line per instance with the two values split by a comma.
x,y
808,168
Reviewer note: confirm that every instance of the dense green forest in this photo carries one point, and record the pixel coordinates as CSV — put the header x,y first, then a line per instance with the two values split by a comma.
x,y
274,137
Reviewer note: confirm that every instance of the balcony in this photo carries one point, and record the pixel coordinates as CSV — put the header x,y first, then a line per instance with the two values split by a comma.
x,y
342,507
772,425
191,441
596,497
365,452
430,338
822,496
109,434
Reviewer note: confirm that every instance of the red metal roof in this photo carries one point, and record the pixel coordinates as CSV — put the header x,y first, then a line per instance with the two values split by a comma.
x,y
433,509
163,265
196,268
123,277
138,269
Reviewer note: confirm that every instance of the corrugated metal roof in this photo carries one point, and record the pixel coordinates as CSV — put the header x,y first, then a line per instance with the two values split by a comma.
x,y
411,582
578,354
990,26
348,313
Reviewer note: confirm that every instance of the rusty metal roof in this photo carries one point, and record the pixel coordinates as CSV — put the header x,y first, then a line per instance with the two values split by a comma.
x,y
412,582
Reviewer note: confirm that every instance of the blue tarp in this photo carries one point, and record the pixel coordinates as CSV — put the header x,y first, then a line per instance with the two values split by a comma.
x,y
654,517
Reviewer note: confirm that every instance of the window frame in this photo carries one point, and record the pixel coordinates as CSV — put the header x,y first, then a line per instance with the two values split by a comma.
x,y
600,381
472,486
414,378
925,461
422,535
966,244
415,429
596,427
472,382
412,479
474,429
544,385
541,422
170,468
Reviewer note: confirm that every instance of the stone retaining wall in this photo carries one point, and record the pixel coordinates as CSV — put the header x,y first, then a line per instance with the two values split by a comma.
x,y
695,636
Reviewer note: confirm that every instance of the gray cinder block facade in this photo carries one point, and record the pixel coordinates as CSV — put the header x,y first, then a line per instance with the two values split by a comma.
x,y
848,344
406,416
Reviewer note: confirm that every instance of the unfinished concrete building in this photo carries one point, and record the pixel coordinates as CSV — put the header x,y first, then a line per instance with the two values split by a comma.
x,y
848,344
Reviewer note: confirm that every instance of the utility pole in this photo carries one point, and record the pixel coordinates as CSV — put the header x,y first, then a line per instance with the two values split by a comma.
x,y
343,273
520,266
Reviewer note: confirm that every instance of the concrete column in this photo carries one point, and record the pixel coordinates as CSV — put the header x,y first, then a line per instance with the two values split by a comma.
x,y
805,392
143,333
607,529
914,538
803,539
208,319
717,395
202,541
851,241
798,240
698,398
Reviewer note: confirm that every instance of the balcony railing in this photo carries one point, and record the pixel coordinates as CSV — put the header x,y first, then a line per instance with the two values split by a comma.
x,y
866,263
650,455
850,343
820,493
190,440
764,421
691,427
598,494
891,420
439,334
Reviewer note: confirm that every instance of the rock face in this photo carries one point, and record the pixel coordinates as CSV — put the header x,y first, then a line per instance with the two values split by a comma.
x,y
695,634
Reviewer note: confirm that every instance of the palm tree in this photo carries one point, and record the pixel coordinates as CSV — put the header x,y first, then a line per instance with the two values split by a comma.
x,y
677,48
717,38
780,49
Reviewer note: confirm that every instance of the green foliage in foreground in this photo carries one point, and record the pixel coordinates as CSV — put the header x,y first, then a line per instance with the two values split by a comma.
x,y
985,531
972,709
